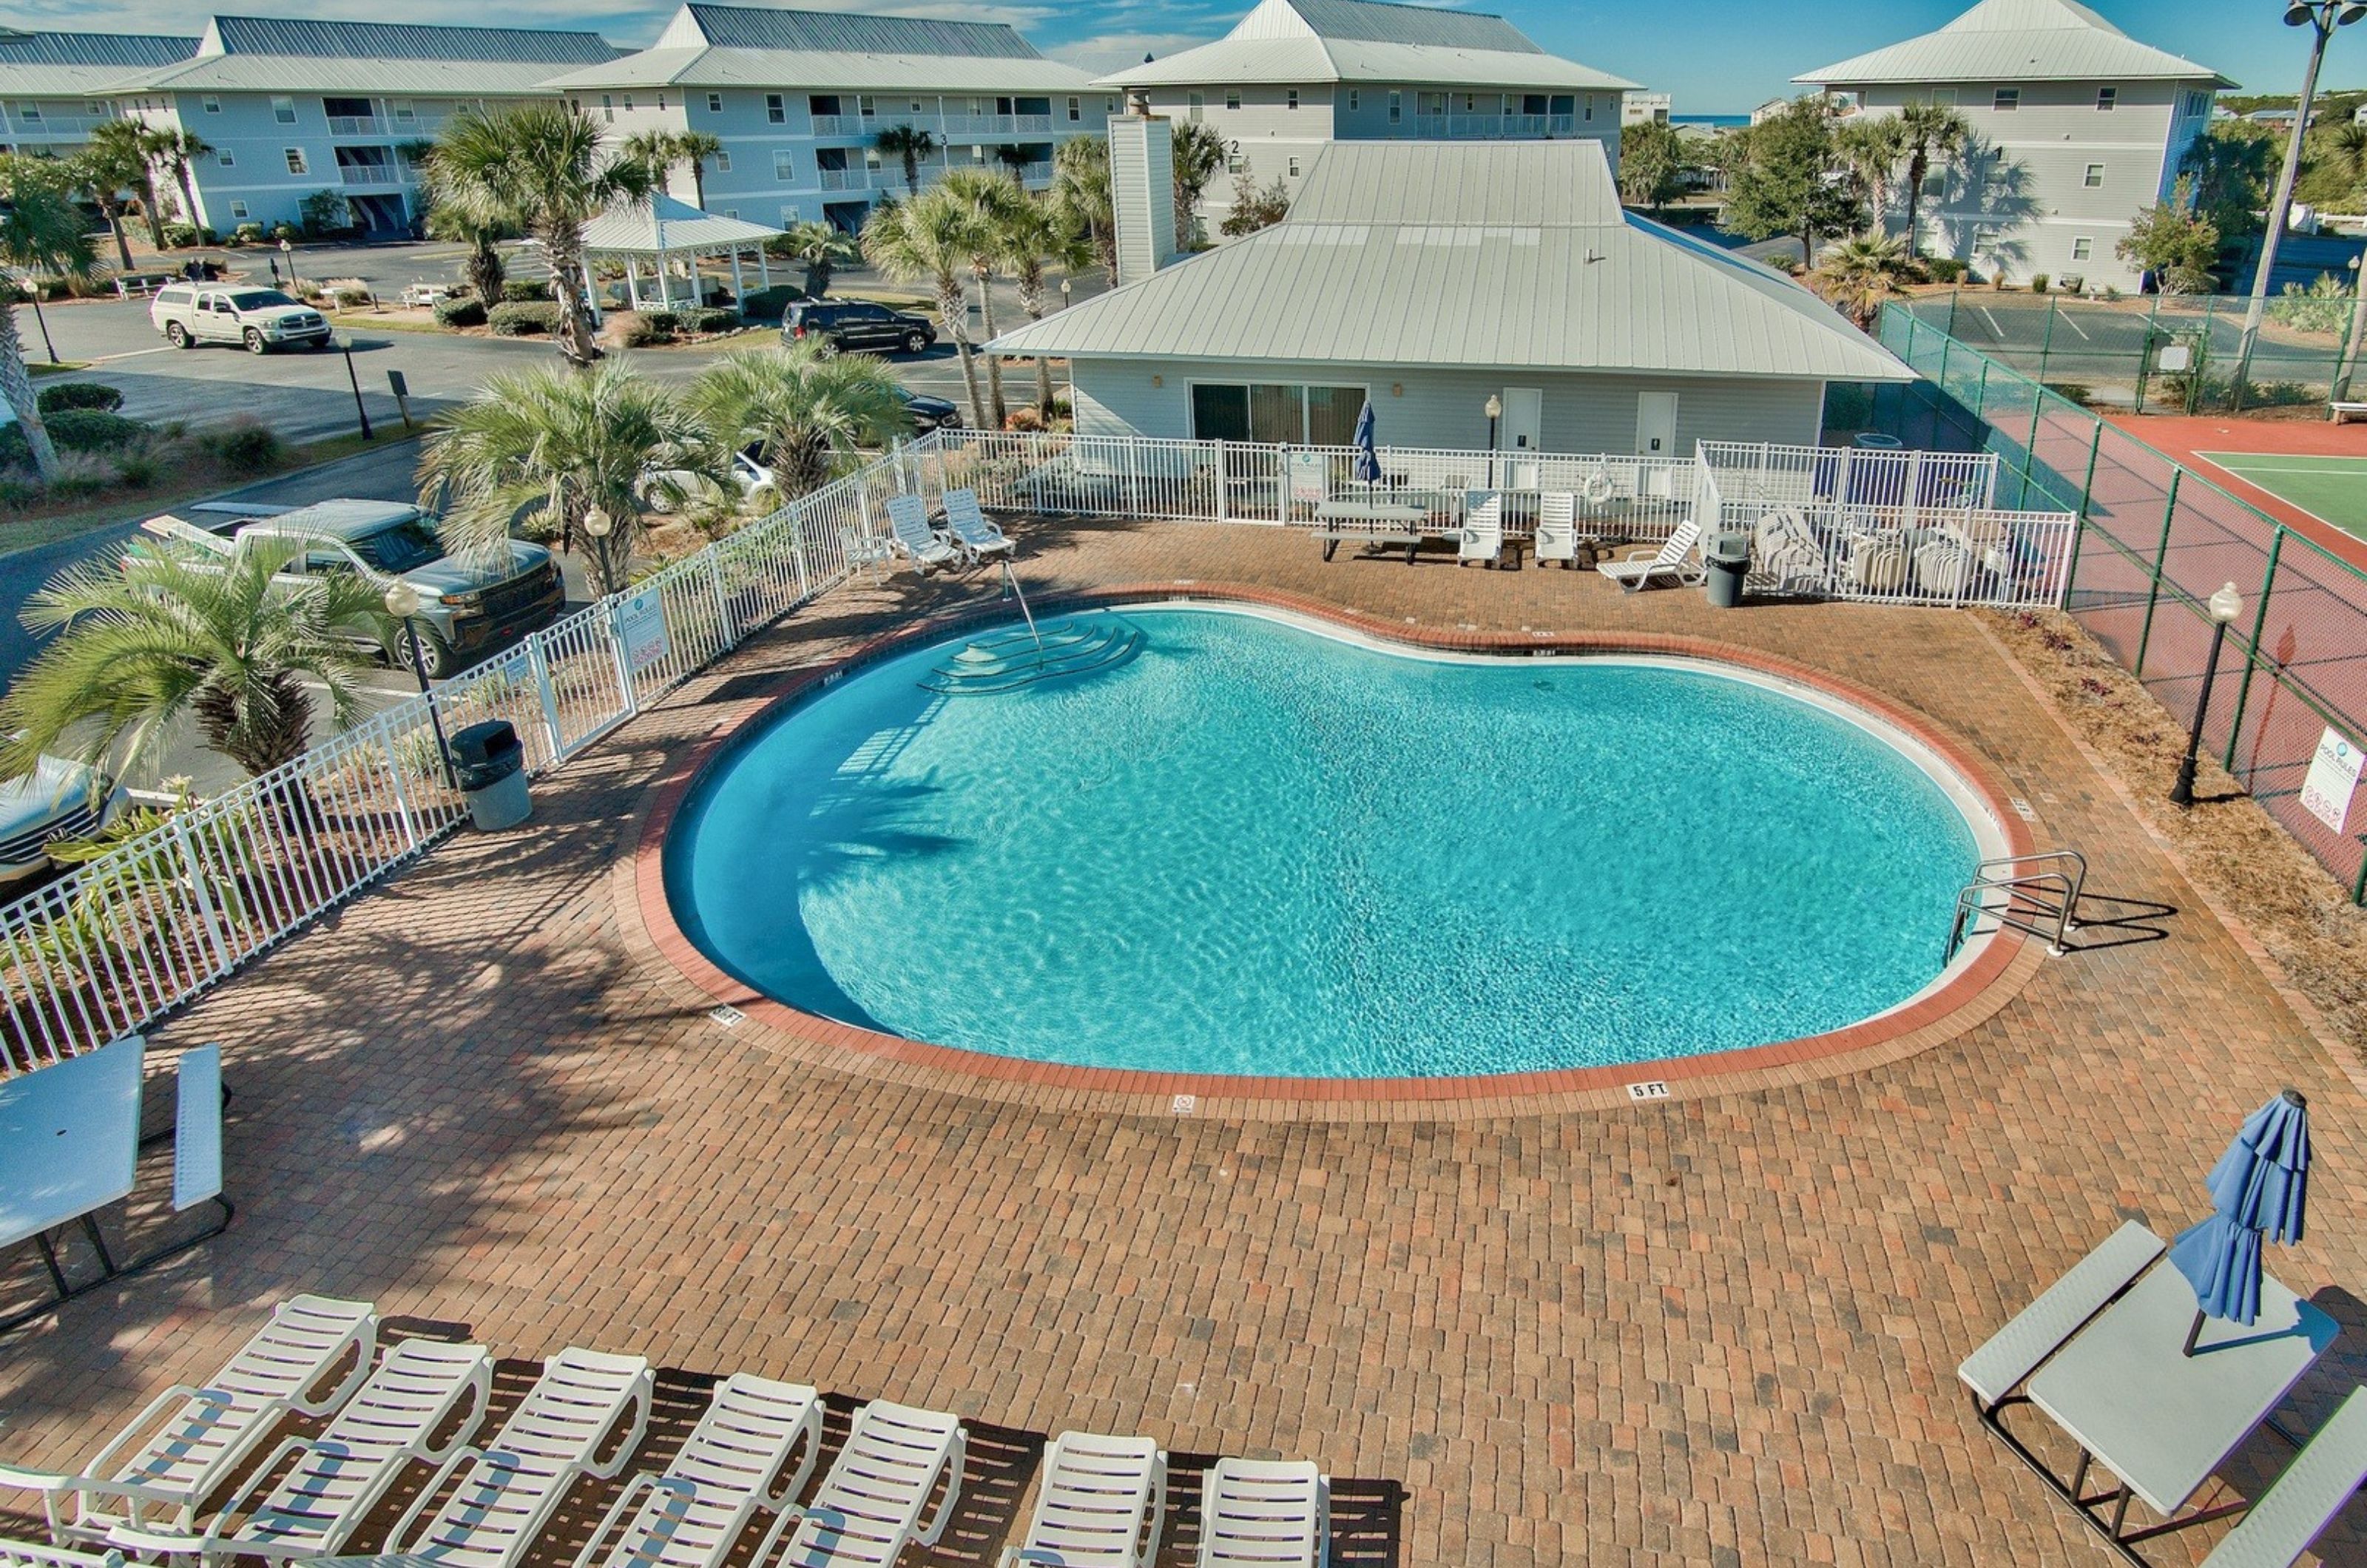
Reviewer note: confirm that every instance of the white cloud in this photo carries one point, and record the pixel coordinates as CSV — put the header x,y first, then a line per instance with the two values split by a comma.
x,y
1115,52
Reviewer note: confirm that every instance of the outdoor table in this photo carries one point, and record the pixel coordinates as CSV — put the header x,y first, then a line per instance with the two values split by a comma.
x,y
2158,1419
1372,522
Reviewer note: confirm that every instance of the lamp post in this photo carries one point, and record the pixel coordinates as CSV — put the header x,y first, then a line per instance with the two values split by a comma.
x,y
597,527
2225,606
1495,411
288,255
2350,366
403,604
2321,17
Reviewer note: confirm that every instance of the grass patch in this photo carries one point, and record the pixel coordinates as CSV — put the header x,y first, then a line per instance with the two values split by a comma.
x,y
63,367
46,524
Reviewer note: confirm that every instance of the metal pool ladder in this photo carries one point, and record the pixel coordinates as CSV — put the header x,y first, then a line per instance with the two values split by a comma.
x,y
2036,892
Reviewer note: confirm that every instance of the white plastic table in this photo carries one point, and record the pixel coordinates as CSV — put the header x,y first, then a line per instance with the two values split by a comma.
x,y
2160,1420
69,1141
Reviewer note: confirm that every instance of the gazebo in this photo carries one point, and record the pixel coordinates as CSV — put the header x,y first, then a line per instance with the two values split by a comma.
x,y
661,228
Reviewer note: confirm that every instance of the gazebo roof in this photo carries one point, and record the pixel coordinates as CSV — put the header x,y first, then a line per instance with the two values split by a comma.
x,y
666,227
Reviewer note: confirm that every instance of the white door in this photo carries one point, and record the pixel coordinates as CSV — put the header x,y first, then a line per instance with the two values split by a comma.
x,y
1523,431
1656,424
215,322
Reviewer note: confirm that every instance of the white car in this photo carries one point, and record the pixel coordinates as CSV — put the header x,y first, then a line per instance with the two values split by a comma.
x,y
259,319
58,799
748,477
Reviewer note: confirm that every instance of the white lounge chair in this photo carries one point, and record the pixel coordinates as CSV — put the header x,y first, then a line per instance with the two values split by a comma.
x,y
1482,538
1101,1504
180,1450
1556,527
692,1516
1784,547
2290,1515
506,1490
1263,1514
338,1477
869,1506
908,522
29,1554
975,533
1674,558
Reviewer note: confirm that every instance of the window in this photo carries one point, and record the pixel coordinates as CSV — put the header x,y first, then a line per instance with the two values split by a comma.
x,y
2007,99
284,110
1076,110
785,165
1432,105
1232,97
1533,103
1352,100
661,100
238,209
1396,106
628,105
792,217
2198,104
865,107
2108,98
1294,168
223,156
213,104
1590,105
2094,178
1471,103
773,109
1294,99
296,164
608,108
1564,106
1195,105
723,163
732,213
404,114
2083,249
95,109
713,103
1944,96
1323,416
1984,238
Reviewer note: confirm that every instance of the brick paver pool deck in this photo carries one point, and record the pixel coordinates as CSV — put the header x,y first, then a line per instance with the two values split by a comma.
x,y
1720,1330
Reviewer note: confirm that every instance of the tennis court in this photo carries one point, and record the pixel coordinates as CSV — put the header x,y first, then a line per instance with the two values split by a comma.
x,y
2332,489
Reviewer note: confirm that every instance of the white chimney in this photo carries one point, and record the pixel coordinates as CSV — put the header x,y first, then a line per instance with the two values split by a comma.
x,y
1142,194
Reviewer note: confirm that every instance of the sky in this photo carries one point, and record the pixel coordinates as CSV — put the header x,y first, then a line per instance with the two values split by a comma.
x,y
1713,56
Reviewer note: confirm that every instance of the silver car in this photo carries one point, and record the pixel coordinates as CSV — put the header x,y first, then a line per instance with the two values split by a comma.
x,y
258,319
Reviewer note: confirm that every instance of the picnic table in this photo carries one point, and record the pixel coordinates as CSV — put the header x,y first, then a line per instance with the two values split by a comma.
x,y
1372,522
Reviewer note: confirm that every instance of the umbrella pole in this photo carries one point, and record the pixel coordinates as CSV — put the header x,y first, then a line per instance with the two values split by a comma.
x,y
2195,1331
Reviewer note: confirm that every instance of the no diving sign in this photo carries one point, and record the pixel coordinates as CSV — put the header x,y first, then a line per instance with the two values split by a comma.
x,y
2333,779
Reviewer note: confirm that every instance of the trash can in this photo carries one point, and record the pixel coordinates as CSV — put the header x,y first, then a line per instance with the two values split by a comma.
x,y
1727,556
489,765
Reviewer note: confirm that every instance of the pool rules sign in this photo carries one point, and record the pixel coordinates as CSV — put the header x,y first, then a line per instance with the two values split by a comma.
x,y
2333,778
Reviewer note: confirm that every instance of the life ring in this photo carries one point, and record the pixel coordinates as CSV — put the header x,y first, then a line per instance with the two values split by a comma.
x,y
1596,487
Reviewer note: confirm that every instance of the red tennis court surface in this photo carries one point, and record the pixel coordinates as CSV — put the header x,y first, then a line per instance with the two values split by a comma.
x,y
2182,439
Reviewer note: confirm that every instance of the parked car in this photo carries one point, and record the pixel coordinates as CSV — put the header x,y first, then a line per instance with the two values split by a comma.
x,y
749,476
929,413
259,319
58,799
464,611
856,323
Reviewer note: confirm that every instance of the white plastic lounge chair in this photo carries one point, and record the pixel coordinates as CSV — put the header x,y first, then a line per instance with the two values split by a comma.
x,y
1264,1514
28,1554
908,519
1101,1504
2315,1486
977,534
1482,538
692,1516
1784,547
1556,527
506,1490
180,1450
339,1476
1674,558
869,1506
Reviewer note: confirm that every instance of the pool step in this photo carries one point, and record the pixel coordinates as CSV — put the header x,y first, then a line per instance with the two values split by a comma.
x,y
1009,659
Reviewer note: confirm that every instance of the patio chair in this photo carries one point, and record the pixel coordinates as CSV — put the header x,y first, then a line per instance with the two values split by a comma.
x,y
908,521
869,1506
2290,1515
1674,558
338,1477
28,1554
503,1493
1784,547
692,1516
179,1450
1482,537
1264,1514
1556,537
1101,1504
975,535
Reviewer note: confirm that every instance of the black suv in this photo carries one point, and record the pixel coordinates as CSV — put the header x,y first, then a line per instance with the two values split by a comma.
x,y
856,323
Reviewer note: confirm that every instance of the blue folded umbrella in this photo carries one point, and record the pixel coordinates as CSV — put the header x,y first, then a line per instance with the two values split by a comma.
x,y
2222,1260
2259,1189
1368,456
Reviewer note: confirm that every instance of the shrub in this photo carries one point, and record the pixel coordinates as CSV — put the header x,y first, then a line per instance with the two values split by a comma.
x,y
352,298
2073,391
517,290
182,236
641,334
137,467
709,318
665,323
1024,418
459,312
1946,269
284,232
93,430
245,448
79,395
522,317
767,304
16,452
326,212
2073,282
247,235
2038,283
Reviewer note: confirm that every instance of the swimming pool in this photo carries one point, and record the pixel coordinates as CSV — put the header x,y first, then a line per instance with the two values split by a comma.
x,y
1257,846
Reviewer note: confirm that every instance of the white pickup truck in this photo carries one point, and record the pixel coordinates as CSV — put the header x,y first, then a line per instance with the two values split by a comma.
x,y
259,319
464,613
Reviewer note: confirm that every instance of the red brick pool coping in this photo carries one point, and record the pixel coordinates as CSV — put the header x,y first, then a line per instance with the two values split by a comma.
x,y
1996,974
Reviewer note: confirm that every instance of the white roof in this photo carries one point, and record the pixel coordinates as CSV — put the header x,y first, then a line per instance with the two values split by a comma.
x,y
300,56
741,46
2017,40
671,227
45,64
1364,40
1497,256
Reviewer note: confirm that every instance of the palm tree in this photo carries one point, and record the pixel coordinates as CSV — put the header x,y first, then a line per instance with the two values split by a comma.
x,y
653,150
168,635
175,149
2348,151
1928,131
1030,235
695,148
122,144
807,407
1081,183
928,239
539,166
992,200
457,225
41,235
108,167
912,146
823,248
1870,147
545,446
1199,155
1860,272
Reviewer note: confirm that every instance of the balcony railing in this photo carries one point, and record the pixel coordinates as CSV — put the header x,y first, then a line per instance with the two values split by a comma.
x,y
356,125
846,180
1488,126
51,125
369,174
998,124
838,125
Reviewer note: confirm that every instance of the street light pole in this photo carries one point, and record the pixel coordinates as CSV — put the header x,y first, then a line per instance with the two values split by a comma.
x,y
2225,606
403,604
1495,413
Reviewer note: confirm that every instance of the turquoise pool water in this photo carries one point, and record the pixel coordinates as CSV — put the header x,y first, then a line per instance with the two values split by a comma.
x,y
1257,849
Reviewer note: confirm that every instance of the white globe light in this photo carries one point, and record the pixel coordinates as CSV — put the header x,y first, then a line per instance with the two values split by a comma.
x,y
402,600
